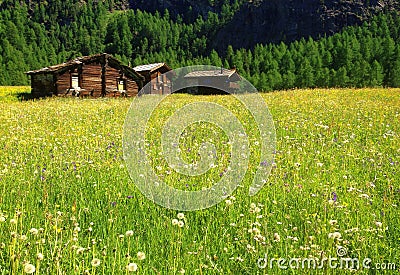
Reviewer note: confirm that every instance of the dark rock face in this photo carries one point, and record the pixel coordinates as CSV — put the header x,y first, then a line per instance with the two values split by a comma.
x,y
276,20
263,21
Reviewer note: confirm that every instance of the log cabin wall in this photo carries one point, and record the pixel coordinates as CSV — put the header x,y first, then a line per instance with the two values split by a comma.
x,y
156,87
96,76
132,88
147,76
112,76
91,79
63,83
160,84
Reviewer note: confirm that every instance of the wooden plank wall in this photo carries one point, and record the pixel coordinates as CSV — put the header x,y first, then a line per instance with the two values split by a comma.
x,y
156,86
132,87
112,76
63,83
91,79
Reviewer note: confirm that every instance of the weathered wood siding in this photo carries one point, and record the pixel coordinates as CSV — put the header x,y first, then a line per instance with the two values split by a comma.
x,y
91,79
156,86
112,76
63,83
98,76
132,87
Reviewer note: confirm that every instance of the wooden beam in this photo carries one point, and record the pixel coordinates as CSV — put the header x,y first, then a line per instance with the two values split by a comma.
x,y
104,63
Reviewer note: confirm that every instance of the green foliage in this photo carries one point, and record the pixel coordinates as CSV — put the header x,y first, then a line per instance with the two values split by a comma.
x,y
39,34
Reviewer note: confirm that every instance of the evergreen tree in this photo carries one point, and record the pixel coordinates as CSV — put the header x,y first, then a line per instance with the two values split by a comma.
x,y
376,74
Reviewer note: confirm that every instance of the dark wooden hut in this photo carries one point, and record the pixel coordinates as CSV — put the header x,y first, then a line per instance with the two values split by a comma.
x,y
96,75
212,82
153,73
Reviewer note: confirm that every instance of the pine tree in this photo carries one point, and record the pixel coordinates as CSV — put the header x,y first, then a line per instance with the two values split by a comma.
x,y
376,74
306,75
394,80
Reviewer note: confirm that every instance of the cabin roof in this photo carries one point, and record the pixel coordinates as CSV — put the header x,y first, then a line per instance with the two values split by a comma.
x,y
112,62
151,67
213,73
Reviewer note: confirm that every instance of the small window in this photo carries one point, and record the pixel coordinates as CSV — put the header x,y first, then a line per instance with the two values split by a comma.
x,y
75,80
121,85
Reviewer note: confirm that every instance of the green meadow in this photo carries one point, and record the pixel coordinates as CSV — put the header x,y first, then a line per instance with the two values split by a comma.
x,y
68,205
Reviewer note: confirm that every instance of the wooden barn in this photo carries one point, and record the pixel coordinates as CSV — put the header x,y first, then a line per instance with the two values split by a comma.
x,y
152,73
213,81
99,75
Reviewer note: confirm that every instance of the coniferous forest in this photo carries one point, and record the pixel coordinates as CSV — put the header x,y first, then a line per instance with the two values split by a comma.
x,y
38,34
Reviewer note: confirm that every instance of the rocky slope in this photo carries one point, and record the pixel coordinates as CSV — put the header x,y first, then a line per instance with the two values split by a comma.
x,y
262,21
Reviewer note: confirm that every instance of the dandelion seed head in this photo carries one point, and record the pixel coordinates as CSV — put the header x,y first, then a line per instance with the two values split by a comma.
x,y
141,255
181,216
333,222
39,256
334,235
95,262
131,267
34,231
29,268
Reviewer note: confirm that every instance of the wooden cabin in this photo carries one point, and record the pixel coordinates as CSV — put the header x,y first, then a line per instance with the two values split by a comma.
x,y
209,82
160,84
99,75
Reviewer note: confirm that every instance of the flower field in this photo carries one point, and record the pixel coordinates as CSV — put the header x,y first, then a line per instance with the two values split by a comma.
x,y
68,205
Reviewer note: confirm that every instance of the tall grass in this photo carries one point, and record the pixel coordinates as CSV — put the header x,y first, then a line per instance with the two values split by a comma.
x,y
67,204
13,93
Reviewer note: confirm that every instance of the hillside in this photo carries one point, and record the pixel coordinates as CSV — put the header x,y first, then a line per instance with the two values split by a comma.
x,y
274,21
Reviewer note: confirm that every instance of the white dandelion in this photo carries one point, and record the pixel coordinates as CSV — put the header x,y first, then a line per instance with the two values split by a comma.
x,y
34,231
29,268
181,216
95,262
131,267
141,256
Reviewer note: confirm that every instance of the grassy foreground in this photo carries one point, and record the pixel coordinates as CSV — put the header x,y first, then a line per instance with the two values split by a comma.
x,y
67,204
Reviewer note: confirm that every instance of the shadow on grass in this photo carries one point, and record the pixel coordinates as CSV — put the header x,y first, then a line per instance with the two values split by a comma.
x,y
26,96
